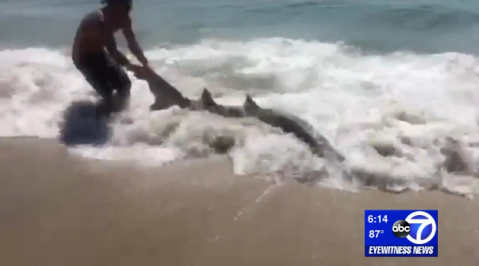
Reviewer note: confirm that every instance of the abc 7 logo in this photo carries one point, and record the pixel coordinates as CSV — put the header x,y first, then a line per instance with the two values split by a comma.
x,y
402,228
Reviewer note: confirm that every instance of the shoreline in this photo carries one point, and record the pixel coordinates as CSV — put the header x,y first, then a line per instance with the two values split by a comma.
x,y
59,209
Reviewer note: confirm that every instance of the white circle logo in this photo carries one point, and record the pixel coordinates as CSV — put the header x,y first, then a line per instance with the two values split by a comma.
x,y
424,222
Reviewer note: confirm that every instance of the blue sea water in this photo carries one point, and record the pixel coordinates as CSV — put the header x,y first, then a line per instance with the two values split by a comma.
x,y
429,26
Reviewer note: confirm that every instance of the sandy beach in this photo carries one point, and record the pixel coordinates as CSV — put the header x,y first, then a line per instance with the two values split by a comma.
x,y
57,209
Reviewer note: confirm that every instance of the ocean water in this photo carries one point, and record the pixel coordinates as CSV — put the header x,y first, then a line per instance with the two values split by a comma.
x,y
394,86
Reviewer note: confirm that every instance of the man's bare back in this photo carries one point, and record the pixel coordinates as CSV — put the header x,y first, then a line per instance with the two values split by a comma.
x,y
91,35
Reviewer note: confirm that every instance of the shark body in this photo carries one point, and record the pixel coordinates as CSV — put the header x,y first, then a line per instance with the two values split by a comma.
x,y
166,96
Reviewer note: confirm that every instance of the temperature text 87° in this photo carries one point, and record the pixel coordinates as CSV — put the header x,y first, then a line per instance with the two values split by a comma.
x,y
375,233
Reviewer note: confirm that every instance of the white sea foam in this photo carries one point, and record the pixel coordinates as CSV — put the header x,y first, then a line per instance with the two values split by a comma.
x,y
404,121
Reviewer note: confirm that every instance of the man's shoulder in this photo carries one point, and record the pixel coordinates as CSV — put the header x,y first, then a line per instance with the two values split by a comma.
x,y
93,17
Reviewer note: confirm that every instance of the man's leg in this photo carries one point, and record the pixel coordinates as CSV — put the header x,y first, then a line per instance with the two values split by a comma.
x,y
119,80
105,107
95,70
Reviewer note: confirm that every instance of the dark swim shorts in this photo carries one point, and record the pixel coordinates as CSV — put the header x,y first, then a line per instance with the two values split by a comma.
x,y
104,74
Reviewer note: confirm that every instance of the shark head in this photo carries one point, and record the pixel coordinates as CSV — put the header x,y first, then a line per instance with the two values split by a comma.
x,y
207,99
250,106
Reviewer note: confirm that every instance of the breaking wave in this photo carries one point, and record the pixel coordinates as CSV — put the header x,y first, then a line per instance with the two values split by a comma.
x,y
403,120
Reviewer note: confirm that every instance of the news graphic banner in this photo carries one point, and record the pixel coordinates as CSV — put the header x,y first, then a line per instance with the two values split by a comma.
x,y
400,233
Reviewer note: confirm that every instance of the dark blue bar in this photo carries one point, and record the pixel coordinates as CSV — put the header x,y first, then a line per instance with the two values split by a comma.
x,y
367,252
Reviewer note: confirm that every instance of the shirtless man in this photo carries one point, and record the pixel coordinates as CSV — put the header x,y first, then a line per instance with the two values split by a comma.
x,y
101,67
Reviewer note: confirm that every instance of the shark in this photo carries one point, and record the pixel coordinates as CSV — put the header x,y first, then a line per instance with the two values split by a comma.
x,y
167,95
288,123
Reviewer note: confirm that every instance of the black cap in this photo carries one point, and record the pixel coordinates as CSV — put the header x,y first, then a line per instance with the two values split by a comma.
x,y
109,2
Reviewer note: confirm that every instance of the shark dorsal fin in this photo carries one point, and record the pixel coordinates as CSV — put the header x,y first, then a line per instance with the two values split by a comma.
x,y
207,99
250,106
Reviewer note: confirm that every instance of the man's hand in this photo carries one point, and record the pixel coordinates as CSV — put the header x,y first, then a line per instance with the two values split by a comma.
x,y
143,61
141,72
136,69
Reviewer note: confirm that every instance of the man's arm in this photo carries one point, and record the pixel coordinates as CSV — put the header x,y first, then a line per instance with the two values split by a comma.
x,y
115,53
133,44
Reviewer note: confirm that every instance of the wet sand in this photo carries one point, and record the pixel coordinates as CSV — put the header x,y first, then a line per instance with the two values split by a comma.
x,y
57,209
